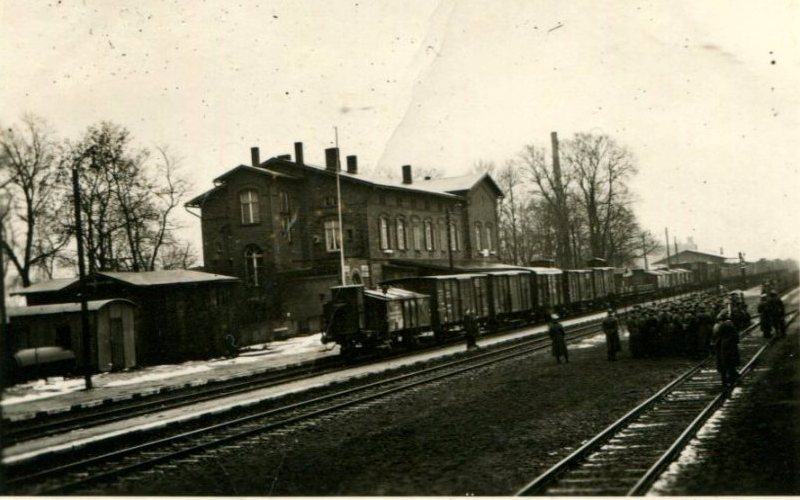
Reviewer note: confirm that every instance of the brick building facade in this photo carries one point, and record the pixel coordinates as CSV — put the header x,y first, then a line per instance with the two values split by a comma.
x,y
275,225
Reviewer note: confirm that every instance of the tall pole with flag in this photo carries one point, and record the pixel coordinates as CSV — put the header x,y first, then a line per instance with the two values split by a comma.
x,y
339,205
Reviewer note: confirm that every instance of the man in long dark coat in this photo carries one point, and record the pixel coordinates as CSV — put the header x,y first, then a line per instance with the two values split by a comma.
x,y
635,322
777,313
611,329
726,348
470,330
558,337
765,316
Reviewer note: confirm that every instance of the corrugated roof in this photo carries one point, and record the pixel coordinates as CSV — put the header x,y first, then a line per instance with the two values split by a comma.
x,y
166,277
63,308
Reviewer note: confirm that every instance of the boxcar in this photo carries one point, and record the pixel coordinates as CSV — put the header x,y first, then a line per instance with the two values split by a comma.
x,y
510,293
547,288
578,288
367,318
451,296
602,282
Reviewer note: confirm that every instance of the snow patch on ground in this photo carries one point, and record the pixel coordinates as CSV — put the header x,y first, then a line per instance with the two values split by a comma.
x,y
54,386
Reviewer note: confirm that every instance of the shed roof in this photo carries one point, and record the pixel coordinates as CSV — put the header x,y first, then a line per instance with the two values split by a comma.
x,y
63,308
136,278
545,270
166,277
46,286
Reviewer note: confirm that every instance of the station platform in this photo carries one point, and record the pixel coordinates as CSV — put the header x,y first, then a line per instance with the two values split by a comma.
x,y
59,394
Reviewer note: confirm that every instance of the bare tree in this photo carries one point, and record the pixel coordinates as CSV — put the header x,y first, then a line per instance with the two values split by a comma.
x,y
29,173
128,199
600,168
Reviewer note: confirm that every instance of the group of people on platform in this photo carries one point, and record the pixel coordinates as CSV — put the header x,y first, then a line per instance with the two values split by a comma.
x,y
693,326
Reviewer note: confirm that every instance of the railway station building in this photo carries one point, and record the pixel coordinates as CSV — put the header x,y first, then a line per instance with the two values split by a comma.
x,y
275,225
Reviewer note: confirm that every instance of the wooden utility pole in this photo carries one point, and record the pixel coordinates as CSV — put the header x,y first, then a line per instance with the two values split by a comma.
x,y
86,337
644,252
666,236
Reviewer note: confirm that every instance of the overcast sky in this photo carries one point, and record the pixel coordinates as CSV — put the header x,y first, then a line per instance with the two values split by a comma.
x,y
705,94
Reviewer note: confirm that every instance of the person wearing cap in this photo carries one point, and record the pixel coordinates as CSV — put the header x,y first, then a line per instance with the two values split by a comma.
x,y
611,329
558,337
726,348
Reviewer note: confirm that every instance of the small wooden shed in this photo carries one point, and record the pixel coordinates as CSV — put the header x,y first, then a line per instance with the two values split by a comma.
x,y
111,326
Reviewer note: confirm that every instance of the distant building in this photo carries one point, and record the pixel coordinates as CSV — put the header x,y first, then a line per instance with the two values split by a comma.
x,y
275,225
692,256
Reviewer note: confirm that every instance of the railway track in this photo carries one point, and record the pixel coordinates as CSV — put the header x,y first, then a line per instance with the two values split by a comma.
x,y
45,425
628,456
77,470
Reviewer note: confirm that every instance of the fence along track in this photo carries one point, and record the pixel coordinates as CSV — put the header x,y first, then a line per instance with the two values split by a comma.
x,y
75,473
628,456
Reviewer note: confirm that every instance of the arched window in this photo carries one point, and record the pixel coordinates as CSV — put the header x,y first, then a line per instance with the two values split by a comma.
x,y
454,236
253,265
442,235
248,200
401,233
428,229
478,231
489,237
383,232
416,232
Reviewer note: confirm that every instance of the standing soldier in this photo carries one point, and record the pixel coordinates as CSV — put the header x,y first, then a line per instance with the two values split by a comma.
x,y
765,316
611,329
778,314
726,348
557,336
635,340
470,330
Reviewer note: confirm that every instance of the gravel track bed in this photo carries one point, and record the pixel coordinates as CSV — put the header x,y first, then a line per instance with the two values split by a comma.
x,y
483,433
754,448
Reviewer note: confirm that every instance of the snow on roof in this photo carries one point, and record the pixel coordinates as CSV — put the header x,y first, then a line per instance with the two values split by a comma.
x,y
63,308
393,293
545,270
46,286
166,277
257,170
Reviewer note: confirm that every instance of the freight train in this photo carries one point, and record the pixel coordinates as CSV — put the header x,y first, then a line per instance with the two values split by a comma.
x,y
400,311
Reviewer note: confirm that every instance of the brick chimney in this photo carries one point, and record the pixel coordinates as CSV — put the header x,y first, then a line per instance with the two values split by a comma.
x,y
352,164
406,174
332,159
298,153
255,157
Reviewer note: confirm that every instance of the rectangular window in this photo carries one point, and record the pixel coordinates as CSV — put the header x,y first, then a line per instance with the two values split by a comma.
x,y
249,205
285,202
332,235
286,227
